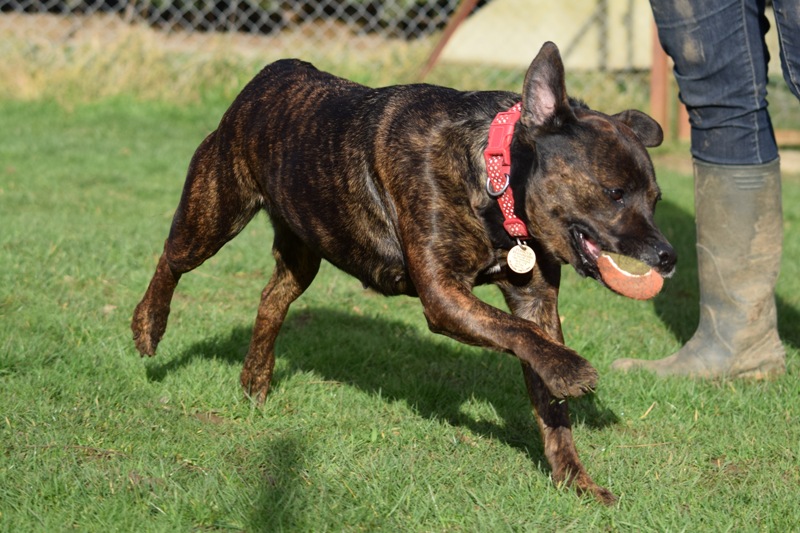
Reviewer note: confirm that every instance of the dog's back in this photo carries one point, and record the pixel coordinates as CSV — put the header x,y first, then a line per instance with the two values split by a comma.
x,y
330,159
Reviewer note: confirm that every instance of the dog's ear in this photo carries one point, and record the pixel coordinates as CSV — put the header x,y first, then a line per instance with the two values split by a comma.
x,y
544,94
646,129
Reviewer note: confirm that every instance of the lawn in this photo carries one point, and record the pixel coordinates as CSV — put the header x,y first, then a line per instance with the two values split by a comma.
x,y
373,423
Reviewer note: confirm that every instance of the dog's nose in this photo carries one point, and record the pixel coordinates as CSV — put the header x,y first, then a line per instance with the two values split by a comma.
x,y
666,256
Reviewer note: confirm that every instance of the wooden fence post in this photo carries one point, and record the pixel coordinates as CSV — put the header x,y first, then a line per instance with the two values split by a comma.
x,y
661,101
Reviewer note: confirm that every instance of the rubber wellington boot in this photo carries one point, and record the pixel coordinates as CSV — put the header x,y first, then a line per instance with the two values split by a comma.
x,y
739,240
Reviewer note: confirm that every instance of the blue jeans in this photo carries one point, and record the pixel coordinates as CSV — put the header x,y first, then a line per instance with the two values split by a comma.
x,y
721,66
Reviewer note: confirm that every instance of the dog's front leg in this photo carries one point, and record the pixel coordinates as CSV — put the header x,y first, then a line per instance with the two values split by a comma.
x,y
552,416
537,301
451,309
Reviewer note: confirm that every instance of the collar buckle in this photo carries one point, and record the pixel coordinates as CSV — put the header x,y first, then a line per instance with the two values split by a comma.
x,y
498,168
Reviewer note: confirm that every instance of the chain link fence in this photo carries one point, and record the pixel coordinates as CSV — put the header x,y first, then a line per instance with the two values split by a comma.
x,y
408,19
606,43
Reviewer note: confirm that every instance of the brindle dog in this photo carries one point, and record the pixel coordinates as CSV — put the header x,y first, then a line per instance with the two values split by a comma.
x,y
389,185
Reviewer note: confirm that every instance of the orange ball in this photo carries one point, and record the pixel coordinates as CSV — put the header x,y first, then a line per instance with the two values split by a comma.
x,y
629,277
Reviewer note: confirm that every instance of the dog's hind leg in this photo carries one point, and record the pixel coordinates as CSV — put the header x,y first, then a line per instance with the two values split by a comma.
x,y
150,316
295,268
215,206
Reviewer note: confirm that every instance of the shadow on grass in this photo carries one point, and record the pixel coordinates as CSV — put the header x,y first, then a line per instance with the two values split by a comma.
x,y
678,306
434,376
437,378
280,472
231,349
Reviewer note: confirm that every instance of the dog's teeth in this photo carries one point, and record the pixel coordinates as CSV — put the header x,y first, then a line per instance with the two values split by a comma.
x,y
494,269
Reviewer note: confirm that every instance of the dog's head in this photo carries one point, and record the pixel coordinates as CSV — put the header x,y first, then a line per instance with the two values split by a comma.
x,y
590,186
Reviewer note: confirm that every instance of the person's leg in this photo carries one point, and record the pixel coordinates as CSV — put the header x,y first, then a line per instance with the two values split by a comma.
x,y
787,18
721,67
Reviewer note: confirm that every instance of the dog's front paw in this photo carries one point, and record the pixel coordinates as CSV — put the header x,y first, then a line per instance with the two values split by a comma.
x,y
604,496
585,485
567,374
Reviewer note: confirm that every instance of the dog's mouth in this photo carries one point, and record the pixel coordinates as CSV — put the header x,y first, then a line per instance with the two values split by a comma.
x,y
587,250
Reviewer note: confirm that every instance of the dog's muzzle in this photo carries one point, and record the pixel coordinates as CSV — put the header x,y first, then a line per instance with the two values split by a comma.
x,y
659,255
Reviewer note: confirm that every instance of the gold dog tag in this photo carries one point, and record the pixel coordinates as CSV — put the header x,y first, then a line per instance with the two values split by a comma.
x,y
521,259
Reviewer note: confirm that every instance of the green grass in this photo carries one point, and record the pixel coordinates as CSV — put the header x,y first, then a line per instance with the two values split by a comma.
x,y
373,422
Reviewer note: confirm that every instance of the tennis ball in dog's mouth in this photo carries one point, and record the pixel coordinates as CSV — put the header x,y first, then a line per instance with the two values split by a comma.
x,y
628,276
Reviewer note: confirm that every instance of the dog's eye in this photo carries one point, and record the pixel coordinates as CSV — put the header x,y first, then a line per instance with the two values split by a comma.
x,y
618,195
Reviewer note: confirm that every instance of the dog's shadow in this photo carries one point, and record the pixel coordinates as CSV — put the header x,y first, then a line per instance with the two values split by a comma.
x,y
678,305
437,378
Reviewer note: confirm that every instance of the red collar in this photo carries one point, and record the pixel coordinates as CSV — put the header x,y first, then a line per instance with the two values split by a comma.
x,y
498,168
